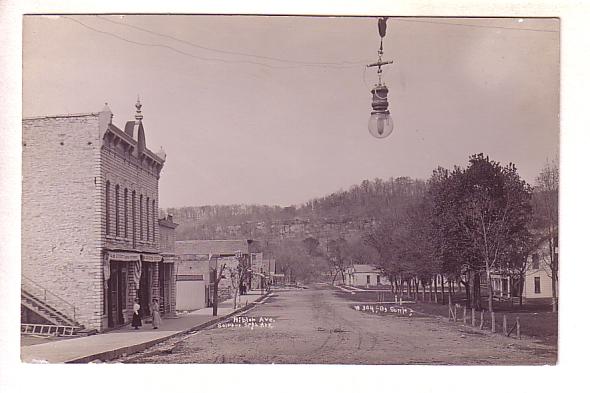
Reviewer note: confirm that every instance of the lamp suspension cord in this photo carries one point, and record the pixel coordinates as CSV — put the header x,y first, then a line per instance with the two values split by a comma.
x,y
380,56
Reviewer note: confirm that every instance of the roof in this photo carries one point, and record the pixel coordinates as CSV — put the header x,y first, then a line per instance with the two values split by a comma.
x,y
255,246
60,116
136,138
167,222
132,134
205,247
129,127
365,269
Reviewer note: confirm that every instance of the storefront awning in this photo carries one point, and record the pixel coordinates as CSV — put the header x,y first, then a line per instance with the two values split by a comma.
x,y
154,258
123,256
170,259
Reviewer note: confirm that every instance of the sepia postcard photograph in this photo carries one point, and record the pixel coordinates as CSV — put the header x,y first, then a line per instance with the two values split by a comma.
x,y
290,189
302,198
254,198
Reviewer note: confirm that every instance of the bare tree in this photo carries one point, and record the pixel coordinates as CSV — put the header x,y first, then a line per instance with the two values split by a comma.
x,y
237,275
337,257
218,275
546,208
485,212
498,205
391,240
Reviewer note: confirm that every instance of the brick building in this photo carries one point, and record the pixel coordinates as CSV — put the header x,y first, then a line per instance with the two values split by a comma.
x,y
90,234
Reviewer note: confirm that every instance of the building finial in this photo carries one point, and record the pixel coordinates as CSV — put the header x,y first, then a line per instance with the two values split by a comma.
x,y
108,111
162,153
138,115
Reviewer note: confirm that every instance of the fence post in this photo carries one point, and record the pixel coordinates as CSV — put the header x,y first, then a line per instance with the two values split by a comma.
x,y
473,317
481,320
493,322
518,327
464,315
450,312
455,314
504,325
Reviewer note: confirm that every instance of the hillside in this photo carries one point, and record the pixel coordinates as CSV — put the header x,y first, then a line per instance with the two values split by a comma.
x,y
342,213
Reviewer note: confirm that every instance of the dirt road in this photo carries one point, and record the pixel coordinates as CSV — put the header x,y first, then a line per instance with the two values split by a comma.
x,y
316,326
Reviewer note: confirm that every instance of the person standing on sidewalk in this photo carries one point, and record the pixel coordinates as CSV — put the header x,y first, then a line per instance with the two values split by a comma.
x,y
156,319
136,320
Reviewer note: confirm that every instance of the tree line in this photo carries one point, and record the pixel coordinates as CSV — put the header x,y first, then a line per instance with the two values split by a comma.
x,y
463,226
360,203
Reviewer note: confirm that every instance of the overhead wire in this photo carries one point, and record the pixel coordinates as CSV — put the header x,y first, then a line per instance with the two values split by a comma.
x,y
307,63
228,61
277,59
292,63
413,20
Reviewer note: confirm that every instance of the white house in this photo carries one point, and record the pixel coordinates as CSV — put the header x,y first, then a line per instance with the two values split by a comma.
x,y
537,278
537,283
364,276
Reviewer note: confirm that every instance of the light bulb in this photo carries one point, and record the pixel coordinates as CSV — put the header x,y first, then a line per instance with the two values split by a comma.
x,y
380,124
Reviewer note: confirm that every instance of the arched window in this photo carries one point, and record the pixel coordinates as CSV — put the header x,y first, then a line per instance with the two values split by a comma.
x,y
117,210
154,220
108,207
140,217
133,218
126,214
147,219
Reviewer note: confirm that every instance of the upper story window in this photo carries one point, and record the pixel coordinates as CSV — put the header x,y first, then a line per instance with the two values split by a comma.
x,y
147,219
154,220
133,217
140,216
125,214
535,261
117,210
108,207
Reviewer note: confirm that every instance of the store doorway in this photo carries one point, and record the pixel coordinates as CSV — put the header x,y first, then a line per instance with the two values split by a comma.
x,y
116,290
145,288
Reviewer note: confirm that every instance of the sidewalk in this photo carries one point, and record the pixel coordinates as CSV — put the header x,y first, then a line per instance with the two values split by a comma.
x,y
115,343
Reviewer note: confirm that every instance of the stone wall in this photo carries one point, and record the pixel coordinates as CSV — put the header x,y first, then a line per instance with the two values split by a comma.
x,y
67,223
61,243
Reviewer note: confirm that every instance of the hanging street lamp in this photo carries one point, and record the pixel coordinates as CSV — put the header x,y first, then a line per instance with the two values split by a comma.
x,y
380,123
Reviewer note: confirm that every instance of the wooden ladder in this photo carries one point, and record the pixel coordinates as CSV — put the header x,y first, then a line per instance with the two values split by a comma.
x,y
47,330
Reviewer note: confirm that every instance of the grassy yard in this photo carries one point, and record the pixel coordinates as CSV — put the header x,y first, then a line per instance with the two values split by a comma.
x,y
536,319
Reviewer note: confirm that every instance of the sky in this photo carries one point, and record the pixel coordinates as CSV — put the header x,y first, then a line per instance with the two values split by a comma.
x,y
274,110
